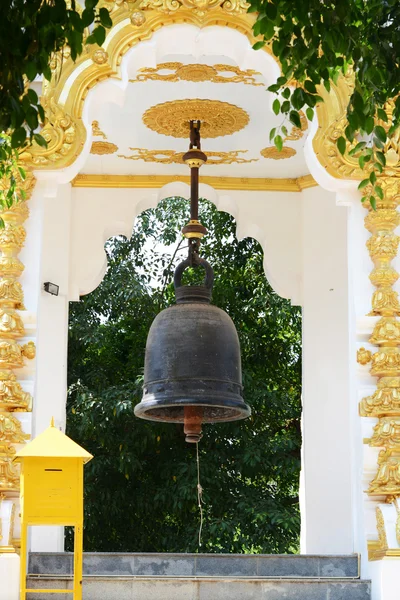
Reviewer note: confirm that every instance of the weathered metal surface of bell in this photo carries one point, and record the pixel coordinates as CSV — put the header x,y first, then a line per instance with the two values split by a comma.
x,y
192,371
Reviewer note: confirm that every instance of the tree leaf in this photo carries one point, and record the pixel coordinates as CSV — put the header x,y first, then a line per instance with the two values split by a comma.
x,y
276,106
39,139
105,18
380,133
278,142
18,137
363,184
258,46
341,144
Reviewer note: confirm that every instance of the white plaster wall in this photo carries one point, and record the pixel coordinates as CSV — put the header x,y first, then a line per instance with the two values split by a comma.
x,y
326,481
46,258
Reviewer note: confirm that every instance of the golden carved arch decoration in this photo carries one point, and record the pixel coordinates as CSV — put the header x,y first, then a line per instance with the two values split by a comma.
x,y
136,21
133,22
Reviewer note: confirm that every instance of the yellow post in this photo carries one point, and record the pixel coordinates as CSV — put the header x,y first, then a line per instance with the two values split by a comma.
x,y
22,575
52,494
78,560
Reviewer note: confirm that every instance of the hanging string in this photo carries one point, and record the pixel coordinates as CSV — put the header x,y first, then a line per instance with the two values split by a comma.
x,y
199,493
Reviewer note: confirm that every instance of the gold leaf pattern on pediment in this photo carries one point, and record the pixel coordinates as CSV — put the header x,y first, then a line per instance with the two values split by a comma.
x,y
197,72
103,148
96,131
273,153
217,118
199,7
171,157
60,133
298,132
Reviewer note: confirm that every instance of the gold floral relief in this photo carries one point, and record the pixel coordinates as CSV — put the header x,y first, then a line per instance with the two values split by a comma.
x,y
197,73
96,131
298,132
171,157
217,118
275,154
103,148
11,429
199,7
384,401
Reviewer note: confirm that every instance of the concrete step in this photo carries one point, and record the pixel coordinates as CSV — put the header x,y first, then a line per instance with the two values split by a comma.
x,y
198,565
204,588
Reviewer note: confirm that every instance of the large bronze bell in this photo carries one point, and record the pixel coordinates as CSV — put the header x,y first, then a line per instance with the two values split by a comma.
x,y
192,372
192,369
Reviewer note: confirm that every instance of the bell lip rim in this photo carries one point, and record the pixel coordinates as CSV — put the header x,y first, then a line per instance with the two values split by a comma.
x,y
242,408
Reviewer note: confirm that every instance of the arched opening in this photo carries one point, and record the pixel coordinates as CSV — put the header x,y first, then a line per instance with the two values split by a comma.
x,y
141,490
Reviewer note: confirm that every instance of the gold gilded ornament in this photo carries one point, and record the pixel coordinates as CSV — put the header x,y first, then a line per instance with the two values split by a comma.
x,y
217,118
60,133
11,324
384,401
198,72
386,433
384,276
363,356
387,480
199,7
12,396
380,525
96,131
386,332
11,430
386,362
383,246
298,132
137,18
11,293
275,154
171,157
103,148
9,475
100,56
29,350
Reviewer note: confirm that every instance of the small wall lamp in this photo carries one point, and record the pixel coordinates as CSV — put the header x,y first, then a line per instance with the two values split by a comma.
x,y
51,288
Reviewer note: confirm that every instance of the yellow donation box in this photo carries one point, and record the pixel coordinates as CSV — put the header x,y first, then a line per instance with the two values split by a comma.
x,y
52,494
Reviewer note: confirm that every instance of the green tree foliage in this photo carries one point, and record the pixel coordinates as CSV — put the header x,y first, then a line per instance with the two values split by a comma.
x,y
140,489
317,41
31,31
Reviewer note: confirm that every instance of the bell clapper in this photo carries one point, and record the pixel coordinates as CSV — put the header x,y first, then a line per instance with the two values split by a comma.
x,y
193,418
